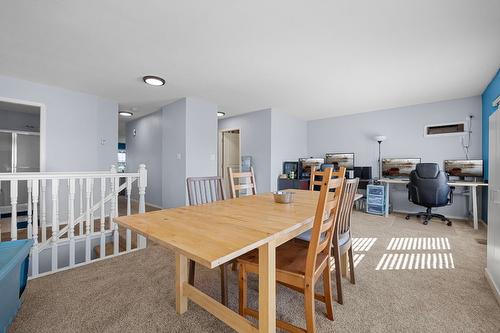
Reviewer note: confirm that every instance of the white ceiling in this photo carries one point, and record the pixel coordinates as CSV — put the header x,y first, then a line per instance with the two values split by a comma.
x,y
313,59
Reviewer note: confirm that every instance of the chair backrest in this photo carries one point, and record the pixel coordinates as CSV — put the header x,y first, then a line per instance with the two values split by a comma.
x,y
317,177
346,205
248,185
202,190
325,219
428,186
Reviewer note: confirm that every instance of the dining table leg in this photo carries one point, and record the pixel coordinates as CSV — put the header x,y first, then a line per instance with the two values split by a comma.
x,y
267,288
181,277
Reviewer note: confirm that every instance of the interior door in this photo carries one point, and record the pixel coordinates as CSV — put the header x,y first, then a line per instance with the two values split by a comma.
x,y
230,153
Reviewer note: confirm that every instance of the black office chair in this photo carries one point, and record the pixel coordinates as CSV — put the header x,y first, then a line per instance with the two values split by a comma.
x,y
429,188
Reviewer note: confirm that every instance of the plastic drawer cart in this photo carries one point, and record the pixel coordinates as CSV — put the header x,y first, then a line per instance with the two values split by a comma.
x,y
14,262
375,199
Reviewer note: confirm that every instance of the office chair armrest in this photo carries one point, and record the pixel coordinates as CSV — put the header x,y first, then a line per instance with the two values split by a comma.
x,y
452,188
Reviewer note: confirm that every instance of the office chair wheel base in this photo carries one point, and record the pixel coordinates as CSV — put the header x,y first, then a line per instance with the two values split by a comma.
x,y
407,217
448,224
426,222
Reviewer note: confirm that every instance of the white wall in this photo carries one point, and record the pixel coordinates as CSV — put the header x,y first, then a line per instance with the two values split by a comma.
x,y
404,128
76,123
146,148
174,154
176,142
288,142
201,138
255,141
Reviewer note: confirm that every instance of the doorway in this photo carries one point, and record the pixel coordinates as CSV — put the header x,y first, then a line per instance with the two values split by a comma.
x,y
229,152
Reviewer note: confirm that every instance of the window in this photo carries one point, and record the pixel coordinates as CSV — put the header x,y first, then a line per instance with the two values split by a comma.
x,y
457,128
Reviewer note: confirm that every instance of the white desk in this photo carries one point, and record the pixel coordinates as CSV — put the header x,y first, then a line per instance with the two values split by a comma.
x,y
472,185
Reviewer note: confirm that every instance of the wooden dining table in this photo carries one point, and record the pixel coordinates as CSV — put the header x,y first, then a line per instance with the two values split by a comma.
x,y
216,233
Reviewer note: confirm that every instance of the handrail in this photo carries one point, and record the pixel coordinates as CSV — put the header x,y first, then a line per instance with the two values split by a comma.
x,y
65,175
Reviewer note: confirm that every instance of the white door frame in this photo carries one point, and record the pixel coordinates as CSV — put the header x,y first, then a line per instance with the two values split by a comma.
x,y
43,125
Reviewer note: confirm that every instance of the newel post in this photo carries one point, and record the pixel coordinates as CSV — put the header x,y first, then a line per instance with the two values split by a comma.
x,y
143,182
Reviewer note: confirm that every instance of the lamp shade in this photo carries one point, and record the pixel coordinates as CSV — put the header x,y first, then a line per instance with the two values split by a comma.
x,y
380,138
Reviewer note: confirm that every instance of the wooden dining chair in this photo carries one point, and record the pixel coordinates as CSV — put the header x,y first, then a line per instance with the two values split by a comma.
x,y
236,184
299,264
202,190
342,237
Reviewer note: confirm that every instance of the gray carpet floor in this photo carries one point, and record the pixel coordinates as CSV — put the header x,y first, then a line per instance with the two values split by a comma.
x,y
135,292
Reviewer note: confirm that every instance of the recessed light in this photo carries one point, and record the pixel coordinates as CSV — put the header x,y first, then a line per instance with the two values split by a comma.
x,y
153,80
125,113
220,114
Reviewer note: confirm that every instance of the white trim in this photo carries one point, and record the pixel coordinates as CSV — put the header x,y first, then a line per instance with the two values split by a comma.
x,y
494,287
496,102
43,126
446,134
83,264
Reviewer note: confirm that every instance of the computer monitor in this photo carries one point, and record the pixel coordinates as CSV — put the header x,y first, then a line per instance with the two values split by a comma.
x,y
305,165
464,168
398,167
338,160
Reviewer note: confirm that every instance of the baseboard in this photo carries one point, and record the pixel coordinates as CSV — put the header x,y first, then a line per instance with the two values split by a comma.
x,y
148,204
494,287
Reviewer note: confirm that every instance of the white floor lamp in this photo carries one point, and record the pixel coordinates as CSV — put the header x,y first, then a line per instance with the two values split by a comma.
x,y
380,139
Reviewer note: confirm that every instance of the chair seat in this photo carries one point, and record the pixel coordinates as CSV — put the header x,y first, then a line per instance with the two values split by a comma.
x,y
343,239
290,257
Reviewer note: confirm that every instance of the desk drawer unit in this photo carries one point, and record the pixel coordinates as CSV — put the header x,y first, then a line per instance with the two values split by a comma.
x,y
375,199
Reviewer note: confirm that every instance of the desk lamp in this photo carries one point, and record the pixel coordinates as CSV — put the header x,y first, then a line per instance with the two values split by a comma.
x,y
380,139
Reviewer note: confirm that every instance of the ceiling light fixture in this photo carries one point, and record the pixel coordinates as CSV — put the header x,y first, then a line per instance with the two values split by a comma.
x,y
153,80
220,114
125,113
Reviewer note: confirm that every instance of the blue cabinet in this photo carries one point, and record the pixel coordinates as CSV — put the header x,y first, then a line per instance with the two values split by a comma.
x,y
375,199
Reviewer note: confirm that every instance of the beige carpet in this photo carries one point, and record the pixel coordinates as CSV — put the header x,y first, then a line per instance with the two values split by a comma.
x,y
135,292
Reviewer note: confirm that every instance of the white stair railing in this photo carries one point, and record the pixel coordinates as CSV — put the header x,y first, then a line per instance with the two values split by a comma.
x,y
62,247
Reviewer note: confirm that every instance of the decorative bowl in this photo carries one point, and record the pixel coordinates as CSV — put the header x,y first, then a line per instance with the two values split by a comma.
x,y
283,197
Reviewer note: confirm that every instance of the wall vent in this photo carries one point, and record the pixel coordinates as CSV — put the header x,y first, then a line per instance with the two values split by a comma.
x,y
457,128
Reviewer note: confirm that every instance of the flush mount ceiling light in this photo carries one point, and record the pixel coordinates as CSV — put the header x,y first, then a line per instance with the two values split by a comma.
x,y
125,113
153,80
220,114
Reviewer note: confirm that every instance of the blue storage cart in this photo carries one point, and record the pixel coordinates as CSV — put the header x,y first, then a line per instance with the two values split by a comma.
x,y
375,199
14,263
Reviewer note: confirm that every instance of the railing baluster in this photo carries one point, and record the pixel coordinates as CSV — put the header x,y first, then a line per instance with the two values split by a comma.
x,y
55,223
30,211
88,192
92,205
143,181
13,202
34,249
129,232
102,252
113,211
71,221
43,210
80,188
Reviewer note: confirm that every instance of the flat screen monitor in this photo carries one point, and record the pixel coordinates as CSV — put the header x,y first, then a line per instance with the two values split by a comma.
x,y
338,160
464,168
398,167
305,165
